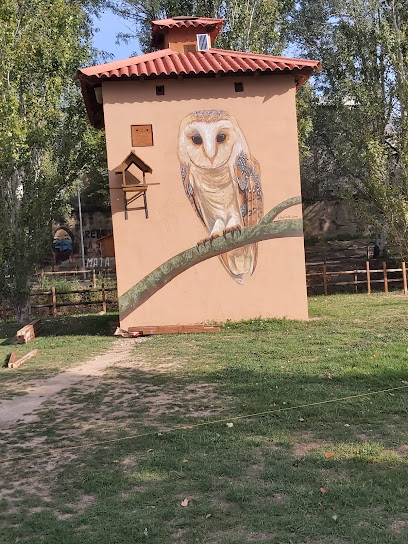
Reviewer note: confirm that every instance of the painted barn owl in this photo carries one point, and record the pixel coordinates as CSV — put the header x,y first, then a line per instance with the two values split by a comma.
x,y
222,181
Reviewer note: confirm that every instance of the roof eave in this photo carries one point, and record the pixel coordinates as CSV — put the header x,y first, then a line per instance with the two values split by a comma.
x,y
95,110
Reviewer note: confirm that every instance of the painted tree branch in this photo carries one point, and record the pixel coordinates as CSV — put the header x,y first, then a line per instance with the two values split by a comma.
x,y
266,229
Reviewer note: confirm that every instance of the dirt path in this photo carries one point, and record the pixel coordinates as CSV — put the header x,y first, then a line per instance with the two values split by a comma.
x,y
21,408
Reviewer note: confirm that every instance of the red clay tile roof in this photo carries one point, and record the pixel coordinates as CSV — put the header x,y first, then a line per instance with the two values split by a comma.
x,y
168,63
210,26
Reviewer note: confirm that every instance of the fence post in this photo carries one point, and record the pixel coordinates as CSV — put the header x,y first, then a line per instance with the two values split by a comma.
x,y
385,277
103,299
54,301
51,304
325,279
368,277
94,278
404,278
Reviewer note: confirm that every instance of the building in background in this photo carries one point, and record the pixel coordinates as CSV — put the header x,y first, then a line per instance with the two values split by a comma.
x,y
201,144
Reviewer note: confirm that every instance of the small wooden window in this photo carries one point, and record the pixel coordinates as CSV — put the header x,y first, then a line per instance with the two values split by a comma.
x,y
239,87
142,135
160,90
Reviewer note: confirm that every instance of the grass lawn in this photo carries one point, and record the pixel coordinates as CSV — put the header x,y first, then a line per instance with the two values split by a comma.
x,y
64,342
331,473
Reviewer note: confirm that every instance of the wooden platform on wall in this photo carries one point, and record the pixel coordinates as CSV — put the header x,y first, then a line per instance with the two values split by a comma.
x,y
148,330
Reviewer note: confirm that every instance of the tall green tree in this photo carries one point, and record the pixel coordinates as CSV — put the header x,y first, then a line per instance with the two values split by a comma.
x,y
359,144
251,25
45,143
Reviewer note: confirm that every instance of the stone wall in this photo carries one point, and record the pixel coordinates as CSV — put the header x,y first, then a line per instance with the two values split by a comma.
x,y
330,219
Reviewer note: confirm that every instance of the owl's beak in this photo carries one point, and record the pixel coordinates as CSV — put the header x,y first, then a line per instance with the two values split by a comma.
x,y
210,151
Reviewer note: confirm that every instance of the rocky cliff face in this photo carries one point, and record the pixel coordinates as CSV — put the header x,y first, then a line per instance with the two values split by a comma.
x,y
329,219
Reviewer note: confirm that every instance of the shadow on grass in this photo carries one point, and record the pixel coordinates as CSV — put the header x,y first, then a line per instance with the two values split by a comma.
x,y
67,325
262,480
6,360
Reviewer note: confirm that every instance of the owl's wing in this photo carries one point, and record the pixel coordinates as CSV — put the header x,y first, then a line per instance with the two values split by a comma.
x,y
247,175
186,177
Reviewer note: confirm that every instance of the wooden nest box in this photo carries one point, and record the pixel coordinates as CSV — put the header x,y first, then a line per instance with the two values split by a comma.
x,y
130,168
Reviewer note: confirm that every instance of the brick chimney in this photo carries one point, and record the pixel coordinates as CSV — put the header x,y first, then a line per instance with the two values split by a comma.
x,y
185,34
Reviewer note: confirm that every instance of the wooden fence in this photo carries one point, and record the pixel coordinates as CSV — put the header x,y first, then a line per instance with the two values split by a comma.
x,y
366,277
90,275
52,300
363,279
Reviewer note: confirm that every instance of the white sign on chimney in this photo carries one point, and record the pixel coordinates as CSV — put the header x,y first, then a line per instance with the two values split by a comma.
x,y
203,42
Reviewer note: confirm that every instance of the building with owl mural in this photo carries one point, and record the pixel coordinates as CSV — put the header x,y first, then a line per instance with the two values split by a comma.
x,y
204,178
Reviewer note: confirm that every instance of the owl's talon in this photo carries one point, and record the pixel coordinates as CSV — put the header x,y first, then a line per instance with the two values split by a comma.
x,y
202,242
232,231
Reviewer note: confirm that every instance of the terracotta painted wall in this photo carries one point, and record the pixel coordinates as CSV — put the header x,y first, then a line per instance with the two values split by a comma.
x,y
266,114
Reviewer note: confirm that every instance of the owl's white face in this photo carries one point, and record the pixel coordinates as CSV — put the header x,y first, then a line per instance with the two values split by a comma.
x,y
209,145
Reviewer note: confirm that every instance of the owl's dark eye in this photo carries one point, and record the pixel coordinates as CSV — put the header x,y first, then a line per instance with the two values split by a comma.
x,y
221,137
197,139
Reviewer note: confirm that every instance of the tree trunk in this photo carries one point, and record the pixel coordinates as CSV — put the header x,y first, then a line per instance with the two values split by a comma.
x,y
21,307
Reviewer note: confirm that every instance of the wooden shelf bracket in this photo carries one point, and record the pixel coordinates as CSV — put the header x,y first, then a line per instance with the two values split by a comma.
x,y
139,194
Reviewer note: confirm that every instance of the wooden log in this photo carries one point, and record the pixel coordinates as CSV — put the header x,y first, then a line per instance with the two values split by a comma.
x,y
385,277
28,332
25,358
404,278
368,277
13,359
172,329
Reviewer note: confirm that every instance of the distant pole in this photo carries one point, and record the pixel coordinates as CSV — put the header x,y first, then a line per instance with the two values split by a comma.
x,y
82,232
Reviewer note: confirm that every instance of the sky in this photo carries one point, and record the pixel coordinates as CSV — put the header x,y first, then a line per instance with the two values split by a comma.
x,y
109,26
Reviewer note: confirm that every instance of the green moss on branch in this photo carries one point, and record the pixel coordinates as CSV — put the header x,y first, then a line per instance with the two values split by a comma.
x,y
266,229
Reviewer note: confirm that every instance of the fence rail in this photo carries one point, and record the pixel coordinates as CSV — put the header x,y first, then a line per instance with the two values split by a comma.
x,y
88,274
367,272
361,277
53,304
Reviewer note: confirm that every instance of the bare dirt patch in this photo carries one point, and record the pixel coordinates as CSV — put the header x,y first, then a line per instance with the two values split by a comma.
x,y
22,407
398,527
309,443
403,450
